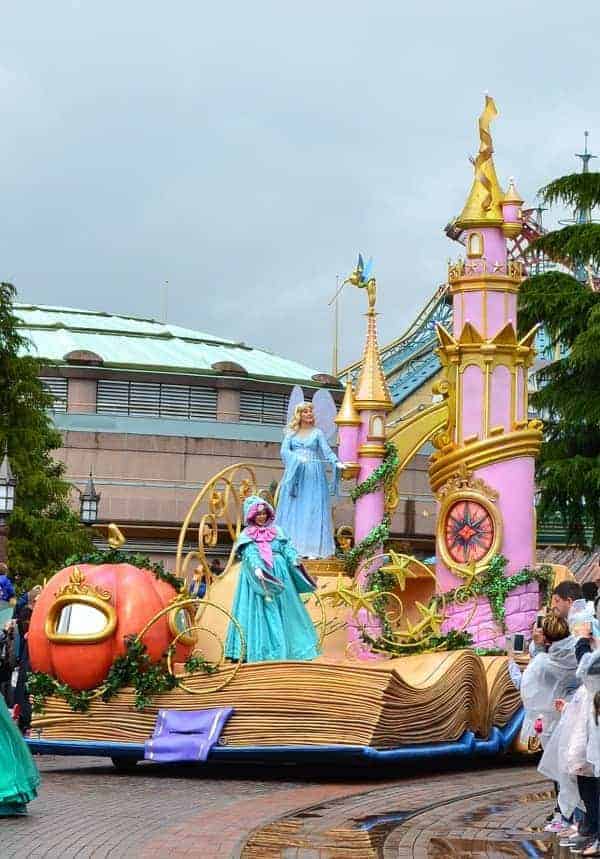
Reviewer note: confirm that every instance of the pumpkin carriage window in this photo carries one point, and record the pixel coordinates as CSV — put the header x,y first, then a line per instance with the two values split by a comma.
x,y
81,613
182,620
80,619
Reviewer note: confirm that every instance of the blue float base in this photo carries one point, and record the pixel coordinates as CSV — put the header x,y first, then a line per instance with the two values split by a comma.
x,y
469,746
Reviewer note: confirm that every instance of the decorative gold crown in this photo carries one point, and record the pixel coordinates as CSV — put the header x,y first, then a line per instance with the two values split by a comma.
x,y
78,586
464,480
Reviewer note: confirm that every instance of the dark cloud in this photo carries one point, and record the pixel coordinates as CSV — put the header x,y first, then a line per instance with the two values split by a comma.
x,y
245,151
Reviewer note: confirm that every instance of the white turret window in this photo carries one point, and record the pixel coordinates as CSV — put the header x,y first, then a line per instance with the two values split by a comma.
x,y
376,427
475,245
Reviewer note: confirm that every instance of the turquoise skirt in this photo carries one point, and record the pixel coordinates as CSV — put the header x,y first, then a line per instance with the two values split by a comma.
x,y
19,778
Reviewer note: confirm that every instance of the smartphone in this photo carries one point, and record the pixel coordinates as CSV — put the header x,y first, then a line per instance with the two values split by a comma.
x,y
518,642
539,621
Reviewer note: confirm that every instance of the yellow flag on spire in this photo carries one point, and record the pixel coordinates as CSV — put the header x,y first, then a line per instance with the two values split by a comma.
x,y
484,204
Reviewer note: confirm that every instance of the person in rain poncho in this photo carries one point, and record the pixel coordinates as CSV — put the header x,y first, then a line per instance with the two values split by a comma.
x,y
548,677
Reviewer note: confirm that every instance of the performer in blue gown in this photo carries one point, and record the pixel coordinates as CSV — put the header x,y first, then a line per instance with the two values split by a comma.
x,y
267,602
304,506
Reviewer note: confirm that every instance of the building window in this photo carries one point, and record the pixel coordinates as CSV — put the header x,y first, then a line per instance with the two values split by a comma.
x,y
257,407
156,400
475,245
377,428
58,388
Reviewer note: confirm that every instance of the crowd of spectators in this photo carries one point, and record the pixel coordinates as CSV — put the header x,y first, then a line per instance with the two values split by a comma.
x,y
15,614
560,690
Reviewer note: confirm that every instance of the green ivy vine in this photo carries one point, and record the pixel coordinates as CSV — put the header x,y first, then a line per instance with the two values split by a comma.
x,y
453,640
383,475
376,535
116,556
133,669
494,585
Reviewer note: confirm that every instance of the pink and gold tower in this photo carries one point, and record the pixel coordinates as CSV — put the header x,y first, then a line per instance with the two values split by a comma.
x,y
483,471
362,433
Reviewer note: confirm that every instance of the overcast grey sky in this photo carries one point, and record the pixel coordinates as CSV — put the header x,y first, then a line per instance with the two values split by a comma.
x,y
244,151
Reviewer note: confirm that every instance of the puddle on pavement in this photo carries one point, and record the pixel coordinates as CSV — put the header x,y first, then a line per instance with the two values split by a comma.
x,y
366,836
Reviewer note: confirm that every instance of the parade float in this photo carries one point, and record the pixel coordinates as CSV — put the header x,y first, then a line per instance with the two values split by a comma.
x,y
412,660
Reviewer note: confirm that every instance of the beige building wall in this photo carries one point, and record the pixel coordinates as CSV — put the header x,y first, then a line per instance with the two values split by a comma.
x,y
148,482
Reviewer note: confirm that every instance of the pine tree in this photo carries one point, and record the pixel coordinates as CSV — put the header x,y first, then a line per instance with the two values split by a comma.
x,y
42,530
568,400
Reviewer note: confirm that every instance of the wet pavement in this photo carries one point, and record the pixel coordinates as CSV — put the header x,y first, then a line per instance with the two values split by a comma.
x,y
87,809
497,824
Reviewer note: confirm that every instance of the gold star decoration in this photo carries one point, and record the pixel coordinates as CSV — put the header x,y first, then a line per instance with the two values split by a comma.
x,y
399,568
352,597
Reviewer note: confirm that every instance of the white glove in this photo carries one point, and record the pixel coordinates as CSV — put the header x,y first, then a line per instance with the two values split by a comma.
x,y
259,573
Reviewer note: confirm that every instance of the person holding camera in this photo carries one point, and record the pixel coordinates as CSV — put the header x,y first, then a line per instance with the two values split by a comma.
x,y
561,603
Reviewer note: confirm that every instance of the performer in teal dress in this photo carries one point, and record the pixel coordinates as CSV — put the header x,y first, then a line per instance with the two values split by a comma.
x,y
19,777
304,505
267,602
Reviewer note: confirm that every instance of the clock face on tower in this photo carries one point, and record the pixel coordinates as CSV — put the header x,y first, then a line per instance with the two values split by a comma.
x,y
469,531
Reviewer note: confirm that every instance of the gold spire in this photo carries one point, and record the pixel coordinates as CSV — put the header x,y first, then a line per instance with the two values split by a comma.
x,y
484,203
347,415
512,195
372,390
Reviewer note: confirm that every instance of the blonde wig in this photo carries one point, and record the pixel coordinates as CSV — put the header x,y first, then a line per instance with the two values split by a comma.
x,y
295,423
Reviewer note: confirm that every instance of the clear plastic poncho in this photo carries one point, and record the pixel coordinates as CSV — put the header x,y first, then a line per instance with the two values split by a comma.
x,y
565,754
548,676
589,674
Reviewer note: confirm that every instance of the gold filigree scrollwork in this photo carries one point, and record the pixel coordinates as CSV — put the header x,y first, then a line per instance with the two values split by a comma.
x,y
246,489
188,632
392,498
515,269
456,270
218,506
216,503
446,389
463,479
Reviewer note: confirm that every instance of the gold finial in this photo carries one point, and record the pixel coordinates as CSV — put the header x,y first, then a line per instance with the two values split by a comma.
x,y
372,391
115,537
347,415
512,195
484,203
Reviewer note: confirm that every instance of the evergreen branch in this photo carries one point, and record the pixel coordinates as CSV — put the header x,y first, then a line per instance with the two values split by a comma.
x,y
578,191
558,301
575,243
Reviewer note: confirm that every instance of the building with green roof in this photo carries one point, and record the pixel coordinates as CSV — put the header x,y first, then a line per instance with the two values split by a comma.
x,y
154,410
